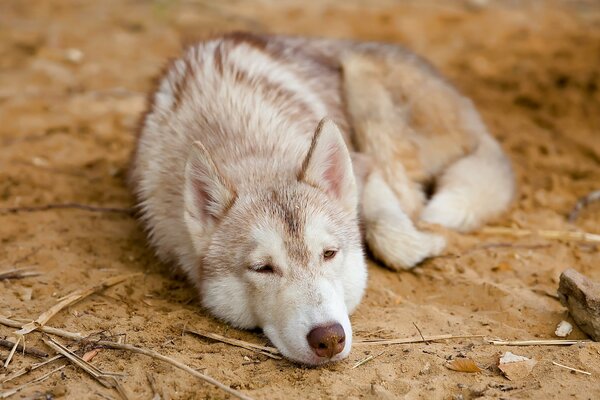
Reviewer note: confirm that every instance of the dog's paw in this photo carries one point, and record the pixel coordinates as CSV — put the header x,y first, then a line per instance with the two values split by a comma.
x,y
403,249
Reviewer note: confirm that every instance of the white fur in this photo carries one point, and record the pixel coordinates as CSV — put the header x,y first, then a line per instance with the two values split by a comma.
x,y
235,172
473,189
391,233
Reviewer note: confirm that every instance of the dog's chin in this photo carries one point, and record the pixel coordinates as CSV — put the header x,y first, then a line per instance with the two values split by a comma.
x,y
308,358
312,360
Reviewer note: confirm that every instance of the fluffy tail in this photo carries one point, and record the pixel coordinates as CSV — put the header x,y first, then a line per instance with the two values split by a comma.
x,y
473,189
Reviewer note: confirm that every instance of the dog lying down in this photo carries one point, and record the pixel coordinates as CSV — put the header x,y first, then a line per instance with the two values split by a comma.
x,y
265,162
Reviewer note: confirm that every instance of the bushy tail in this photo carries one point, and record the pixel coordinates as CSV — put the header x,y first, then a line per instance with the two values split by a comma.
x,y
473,189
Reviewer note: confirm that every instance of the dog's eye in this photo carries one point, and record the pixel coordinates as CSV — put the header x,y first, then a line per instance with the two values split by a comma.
x,y
263,269
329,254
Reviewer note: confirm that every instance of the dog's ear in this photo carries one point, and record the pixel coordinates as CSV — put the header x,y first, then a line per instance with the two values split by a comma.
x,y
207,192
328,166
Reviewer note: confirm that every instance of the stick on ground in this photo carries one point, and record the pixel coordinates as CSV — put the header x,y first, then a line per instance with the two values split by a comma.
x,y
545,233
12,352
548,342
46,329
582,203
71,299
366,359
106,380
271,352
28,350
146,352
30,368
178,364
10,392
17,273
66,206
571,369
419,339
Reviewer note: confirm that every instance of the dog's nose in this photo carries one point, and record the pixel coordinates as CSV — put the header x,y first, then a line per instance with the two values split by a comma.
x,y
328,340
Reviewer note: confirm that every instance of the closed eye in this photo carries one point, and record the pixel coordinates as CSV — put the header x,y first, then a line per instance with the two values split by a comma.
x,y
263,269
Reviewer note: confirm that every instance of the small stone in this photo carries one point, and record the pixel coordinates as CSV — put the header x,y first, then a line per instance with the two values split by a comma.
x,y
582,297
563,329
74,55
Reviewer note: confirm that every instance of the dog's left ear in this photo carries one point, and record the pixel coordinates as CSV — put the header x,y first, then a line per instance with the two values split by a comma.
x,y
328,166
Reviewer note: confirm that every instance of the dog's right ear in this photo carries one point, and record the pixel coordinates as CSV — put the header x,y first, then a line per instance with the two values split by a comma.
x,y
207,192
328,165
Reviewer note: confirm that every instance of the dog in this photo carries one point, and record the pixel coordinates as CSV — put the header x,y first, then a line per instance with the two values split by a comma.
x,y
265,162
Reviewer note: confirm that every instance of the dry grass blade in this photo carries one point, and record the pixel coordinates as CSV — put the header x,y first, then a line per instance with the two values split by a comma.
x,y
415,339
178,364
463,365
548,234
17,273
582,203
106,380
30,368
155,394
66,206
271,352
571,368
420,333
366,360
10,392
46,329
27,350
12,352
71,299
122,346
548,342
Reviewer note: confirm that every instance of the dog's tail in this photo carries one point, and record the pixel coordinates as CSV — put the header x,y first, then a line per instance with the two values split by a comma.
x,y
473,189
417,128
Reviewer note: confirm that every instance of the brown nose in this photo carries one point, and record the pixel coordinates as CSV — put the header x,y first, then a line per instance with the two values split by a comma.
x,y
328,340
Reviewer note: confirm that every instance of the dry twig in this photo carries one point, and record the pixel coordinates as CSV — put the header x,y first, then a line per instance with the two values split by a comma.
x,y
17,273
27,350
546,342
30,368
178,364
66,206
271,352
71,299
582,203
155,394
366,359
107,380
545,233
46,329
420,334
12,352
571,369
10,392
128,347
420,339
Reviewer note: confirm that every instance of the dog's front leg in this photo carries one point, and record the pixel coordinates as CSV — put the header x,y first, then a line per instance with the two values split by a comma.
x,y
389,231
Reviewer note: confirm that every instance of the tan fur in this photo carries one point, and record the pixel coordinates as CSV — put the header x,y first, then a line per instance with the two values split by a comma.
x,y
246,173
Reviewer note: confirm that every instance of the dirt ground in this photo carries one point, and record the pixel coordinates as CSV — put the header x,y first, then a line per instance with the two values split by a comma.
x,y
73,82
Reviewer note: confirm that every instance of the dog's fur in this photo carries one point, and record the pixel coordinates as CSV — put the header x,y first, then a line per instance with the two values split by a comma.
x,y
259,154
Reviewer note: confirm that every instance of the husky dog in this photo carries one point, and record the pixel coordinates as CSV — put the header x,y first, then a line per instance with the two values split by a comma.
x,y
264,162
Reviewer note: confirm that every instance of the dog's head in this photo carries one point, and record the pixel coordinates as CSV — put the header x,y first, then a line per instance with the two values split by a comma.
x,y
287,257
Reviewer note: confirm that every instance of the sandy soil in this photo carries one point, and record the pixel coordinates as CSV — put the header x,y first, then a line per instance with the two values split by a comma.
x,y
73,78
